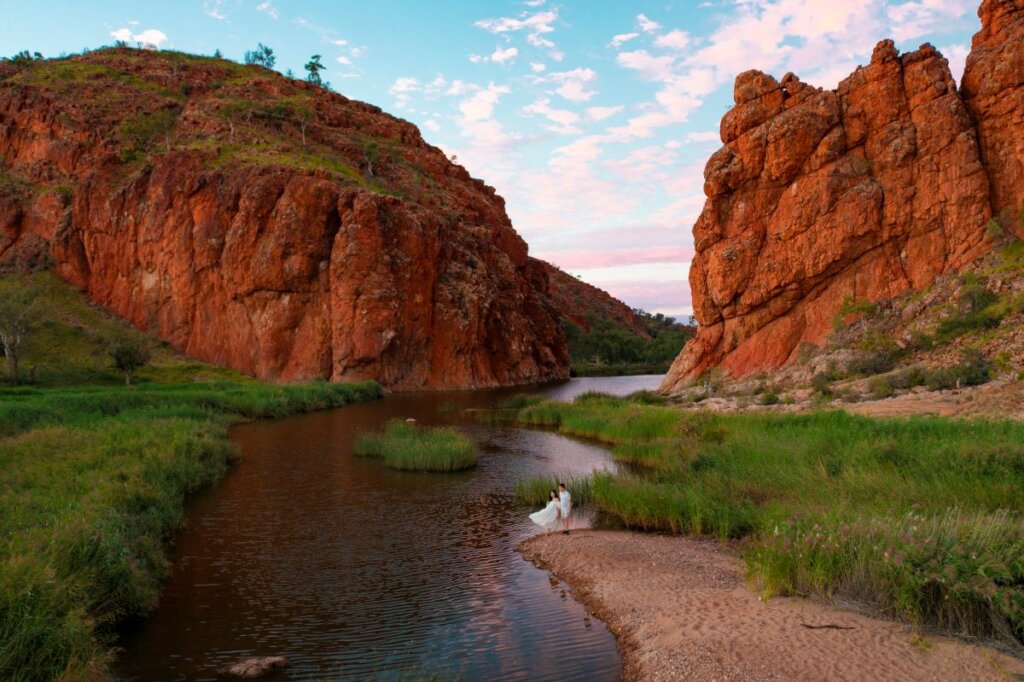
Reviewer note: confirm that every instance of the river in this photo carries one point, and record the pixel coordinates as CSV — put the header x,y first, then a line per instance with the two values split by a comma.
x,y
356,571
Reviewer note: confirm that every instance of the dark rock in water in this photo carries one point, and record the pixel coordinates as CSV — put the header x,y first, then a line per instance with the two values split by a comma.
x,y
254,667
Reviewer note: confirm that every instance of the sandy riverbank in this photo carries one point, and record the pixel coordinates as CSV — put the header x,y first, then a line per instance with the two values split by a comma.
x,y
681,611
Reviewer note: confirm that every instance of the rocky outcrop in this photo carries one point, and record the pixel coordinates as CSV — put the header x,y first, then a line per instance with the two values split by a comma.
x,y
266,224
577,302
858,193
993,88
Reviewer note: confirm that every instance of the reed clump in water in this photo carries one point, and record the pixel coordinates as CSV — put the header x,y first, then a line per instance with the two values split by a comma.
x,y
534,491
410,447
921,518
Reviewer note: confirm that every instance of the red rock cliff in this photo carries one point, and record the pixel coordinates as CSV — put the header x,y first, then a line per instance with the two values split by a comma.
x,y
865,191
268,225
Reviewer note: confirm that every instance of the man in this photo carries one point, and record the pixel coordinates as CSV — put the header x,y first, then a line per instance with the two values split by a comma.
x,y
565,500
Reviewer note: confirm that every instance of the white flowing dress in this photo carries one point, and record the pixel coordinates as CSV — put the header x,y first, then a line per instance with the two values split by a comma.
x,y
547,518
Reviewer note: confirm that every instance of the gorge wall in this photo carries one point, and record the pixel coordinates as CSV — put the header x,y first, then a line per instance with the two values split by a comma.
x,y
266,224
862,192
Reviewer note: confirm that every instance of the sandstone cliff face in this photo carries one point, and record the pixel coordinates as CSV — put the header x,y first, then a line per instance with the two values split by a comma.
x,y
261,223
862,192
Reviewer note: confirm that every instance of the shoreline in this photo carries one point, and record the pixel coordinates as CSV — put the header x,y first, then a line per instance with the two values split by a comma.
x,y
650,590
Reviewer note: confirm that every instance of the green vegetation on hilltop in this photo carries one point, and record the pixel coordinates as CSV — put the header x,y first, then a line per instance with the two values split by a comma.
x,y
410,447
239,114
94,475
921,518
609,348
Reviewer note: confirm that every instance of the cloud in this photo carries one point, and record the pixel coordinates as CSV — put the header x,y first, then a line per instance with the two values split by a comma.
x,y
501,56
536,26
402,87
601,113
646,25
673,40
572,85
956,55
705,136
151,37
213,8
432,125
480,106
563,119
339,42
268,9
650,67
537,67
622,38
913,19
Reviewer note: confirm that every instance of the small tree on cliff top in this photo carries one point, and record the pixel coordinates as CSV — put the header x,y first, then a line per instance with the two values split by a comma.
x,y
261,56
313,68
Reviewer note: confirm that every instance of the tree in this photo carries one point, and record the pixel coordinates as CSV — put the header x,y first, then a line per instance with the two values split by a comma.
x,y
314,67
26,57
19,313
305,115
128,355
261,56
217,54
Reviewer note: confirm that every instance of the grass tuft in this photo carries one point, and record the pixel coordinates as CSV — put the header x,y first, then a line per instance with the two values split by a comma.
x,y
410,447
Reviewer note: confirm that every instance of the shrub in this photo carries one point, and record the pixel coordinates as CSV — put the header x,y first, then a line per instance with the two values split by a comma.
x,y
881,387
973,370
908,378
769,398
129,353
822,383
962,323
851,307
871,363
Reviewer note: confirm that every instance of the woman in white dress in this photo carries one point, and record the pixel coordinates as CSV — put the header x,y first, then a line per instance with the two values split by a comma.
x,y
548,517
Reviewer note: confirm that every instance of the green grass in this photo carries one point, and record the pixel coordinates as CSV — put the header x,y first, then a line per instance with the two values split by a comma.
x,y
69,344
410,447
534,491
91,482
921,518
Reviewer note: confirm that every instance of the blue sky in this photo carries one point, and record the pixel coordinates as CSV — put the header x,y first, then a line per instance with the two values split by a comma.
x,y
593,118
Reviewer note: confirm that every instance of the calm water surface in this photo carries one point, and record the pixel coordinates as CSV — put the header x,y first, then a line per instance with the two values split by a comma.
x,y
355,571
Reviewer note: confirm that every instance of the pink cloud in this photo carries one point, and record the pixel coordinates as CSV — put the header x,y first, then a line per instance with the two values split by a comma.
x,y
586,259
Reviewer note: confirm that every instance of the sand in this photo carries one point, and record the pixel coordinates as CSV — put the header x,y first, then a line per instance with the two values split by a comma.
x,y
681,610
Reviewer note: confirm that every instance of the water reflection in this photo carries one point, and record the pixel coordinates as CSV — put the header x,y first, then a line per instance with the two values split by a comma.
x,y
351,569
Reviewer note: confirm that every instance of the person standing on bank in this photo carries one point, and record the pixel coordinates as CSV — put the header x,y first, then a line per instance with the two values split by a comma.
x,y
565,500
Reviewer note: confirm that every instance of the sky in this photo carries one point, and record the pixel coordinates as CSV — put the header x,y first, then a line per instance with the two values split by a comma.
x,y
593,118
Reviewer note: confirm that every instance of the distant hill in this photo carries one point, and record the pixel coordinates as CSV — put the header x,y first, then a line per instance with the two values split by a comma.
x,y
605,336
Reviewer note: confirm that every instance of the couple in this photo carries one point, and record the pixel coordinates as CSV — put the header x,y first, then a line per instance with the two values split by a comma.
x,y
558,509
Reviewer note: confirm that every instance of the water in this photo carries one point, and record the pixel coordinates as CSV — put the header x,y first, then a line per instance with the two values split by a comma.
x,y
355,571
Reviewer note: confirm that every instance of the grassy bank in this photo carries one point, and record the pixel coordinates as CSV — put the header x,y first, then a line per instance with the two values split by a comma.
x,y
91,482
410,447
921,518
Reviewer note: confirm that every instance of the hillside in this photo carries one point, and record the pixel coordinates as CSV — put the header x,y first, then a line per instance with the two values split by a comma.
x,y
954,348
867,192
266,224
605,336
